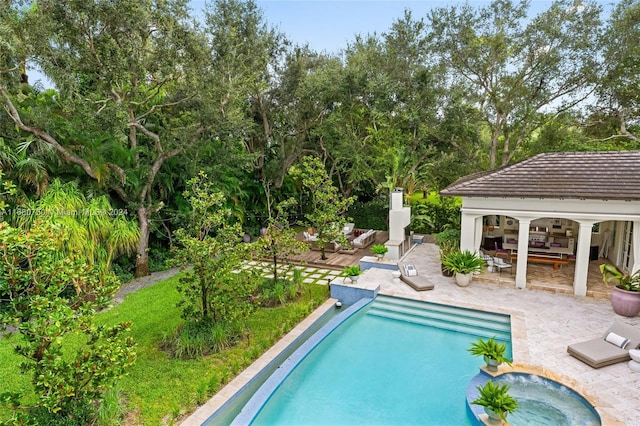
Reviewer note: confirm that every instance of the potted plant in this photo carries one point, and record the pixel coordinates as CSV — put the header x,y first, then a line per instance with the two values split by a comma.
x,y
625,297
496,401
379,250
448,241
445,250
492,351
463,264
352,272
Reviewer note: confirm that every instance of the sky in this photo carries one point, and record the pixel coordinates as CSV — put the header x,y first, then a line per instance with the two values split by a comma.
x,y
329,25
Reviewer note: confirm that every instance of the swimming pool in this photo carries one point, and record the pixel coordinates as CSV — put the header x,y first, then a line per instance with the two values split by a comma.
x,y
396,361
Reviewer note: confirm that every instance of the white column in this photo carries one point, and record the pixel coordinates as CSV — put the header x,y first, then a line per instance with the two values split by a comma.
x,y
523,251
478,236
582,259
467,232
636,246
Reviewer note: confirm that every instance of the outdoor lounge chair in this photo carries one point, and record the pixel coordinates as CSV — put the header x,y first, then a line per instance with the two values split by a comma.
x,y
499,263
418,282
348,229
606,350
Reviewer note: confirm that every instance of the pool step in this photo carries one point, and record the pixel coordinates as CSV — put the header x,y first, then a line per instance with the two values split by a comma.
x,y
480,323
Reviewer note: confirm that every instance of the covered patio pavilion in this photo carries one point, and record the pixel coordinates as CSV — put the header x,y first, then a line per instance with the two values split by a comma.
x,y
586,201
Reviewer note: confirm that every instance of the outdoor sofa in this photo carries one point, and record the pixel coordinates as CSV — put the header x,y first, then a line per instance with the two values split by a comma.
x,y
418,282
608,349
364,240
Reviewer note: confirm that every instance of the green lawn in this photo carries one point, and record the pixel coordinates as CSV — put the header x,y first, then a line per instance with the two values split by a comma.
x,y
433,197
161,389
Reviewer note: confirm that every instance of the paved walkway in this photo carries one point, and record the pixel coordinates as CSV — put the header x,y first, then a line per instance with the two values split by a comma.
x,y
543,324
142,282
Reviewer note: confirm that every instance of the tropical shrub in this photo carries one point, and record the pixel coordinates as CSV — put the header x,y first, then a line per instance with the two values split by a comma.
x,y
351,271
462,262
51,301
272,293
628,282
490,348
379,249
448,239
435,214
216,290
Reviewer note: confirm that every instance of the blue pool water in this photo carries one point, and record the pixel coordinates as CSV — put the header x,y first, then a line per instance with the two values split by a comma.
x,y
544,401
378,370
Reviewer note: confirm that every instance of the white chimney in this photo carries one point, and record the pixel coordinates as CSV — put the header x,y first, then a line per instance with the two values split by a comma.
x,y
397,199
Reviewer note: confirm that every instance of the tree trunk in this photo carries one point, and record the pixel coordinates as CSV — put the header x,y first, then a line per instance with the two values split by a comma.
x,y
203,299
142,257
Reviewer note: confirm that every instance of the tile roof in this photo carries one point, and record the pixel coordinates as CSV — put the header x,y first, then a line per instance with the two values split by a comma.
x,y
611,175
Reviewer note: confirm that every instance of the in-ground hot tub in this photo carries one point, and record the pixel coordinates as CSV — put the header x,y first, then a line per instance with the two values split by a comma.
x,y
541,400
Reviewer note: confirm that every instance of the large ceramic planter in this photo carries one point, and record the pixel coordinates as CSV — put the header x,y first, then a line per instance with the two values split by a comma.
x,y
625,303
463,280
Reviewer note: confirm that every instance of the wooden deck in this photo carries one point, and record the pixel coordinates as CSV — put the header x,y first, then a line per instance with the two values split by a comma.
x,y
338,260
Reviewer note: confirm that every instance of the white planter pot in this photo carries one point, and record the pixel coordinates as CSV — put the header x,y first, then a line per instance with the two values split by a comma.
x,y
492,364
354,278
463,280
494,418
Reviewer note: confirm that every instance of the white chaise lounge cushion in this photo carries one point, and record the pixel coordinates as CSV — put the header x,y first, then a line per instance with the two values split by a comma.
x,y
617,340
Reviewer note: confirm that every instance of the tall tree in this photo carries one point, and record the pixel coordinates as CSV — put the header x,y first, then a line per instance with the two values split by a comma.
x,y
520,68
327,206
385,106
216,290
619,84
244,50
127,79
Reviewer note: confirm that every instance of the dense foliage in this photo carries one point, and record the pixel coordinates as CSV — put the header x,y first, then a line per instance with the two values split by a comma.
x,y
144,100
50,300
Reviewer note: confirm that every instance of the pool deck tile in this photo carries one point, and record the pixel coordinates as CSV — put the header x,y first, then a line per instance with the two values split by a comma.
x,y
543,324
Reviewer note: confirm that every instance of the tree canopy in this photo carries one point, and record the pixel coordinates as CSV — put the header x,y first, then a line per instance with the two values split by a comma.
x,y
145,96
